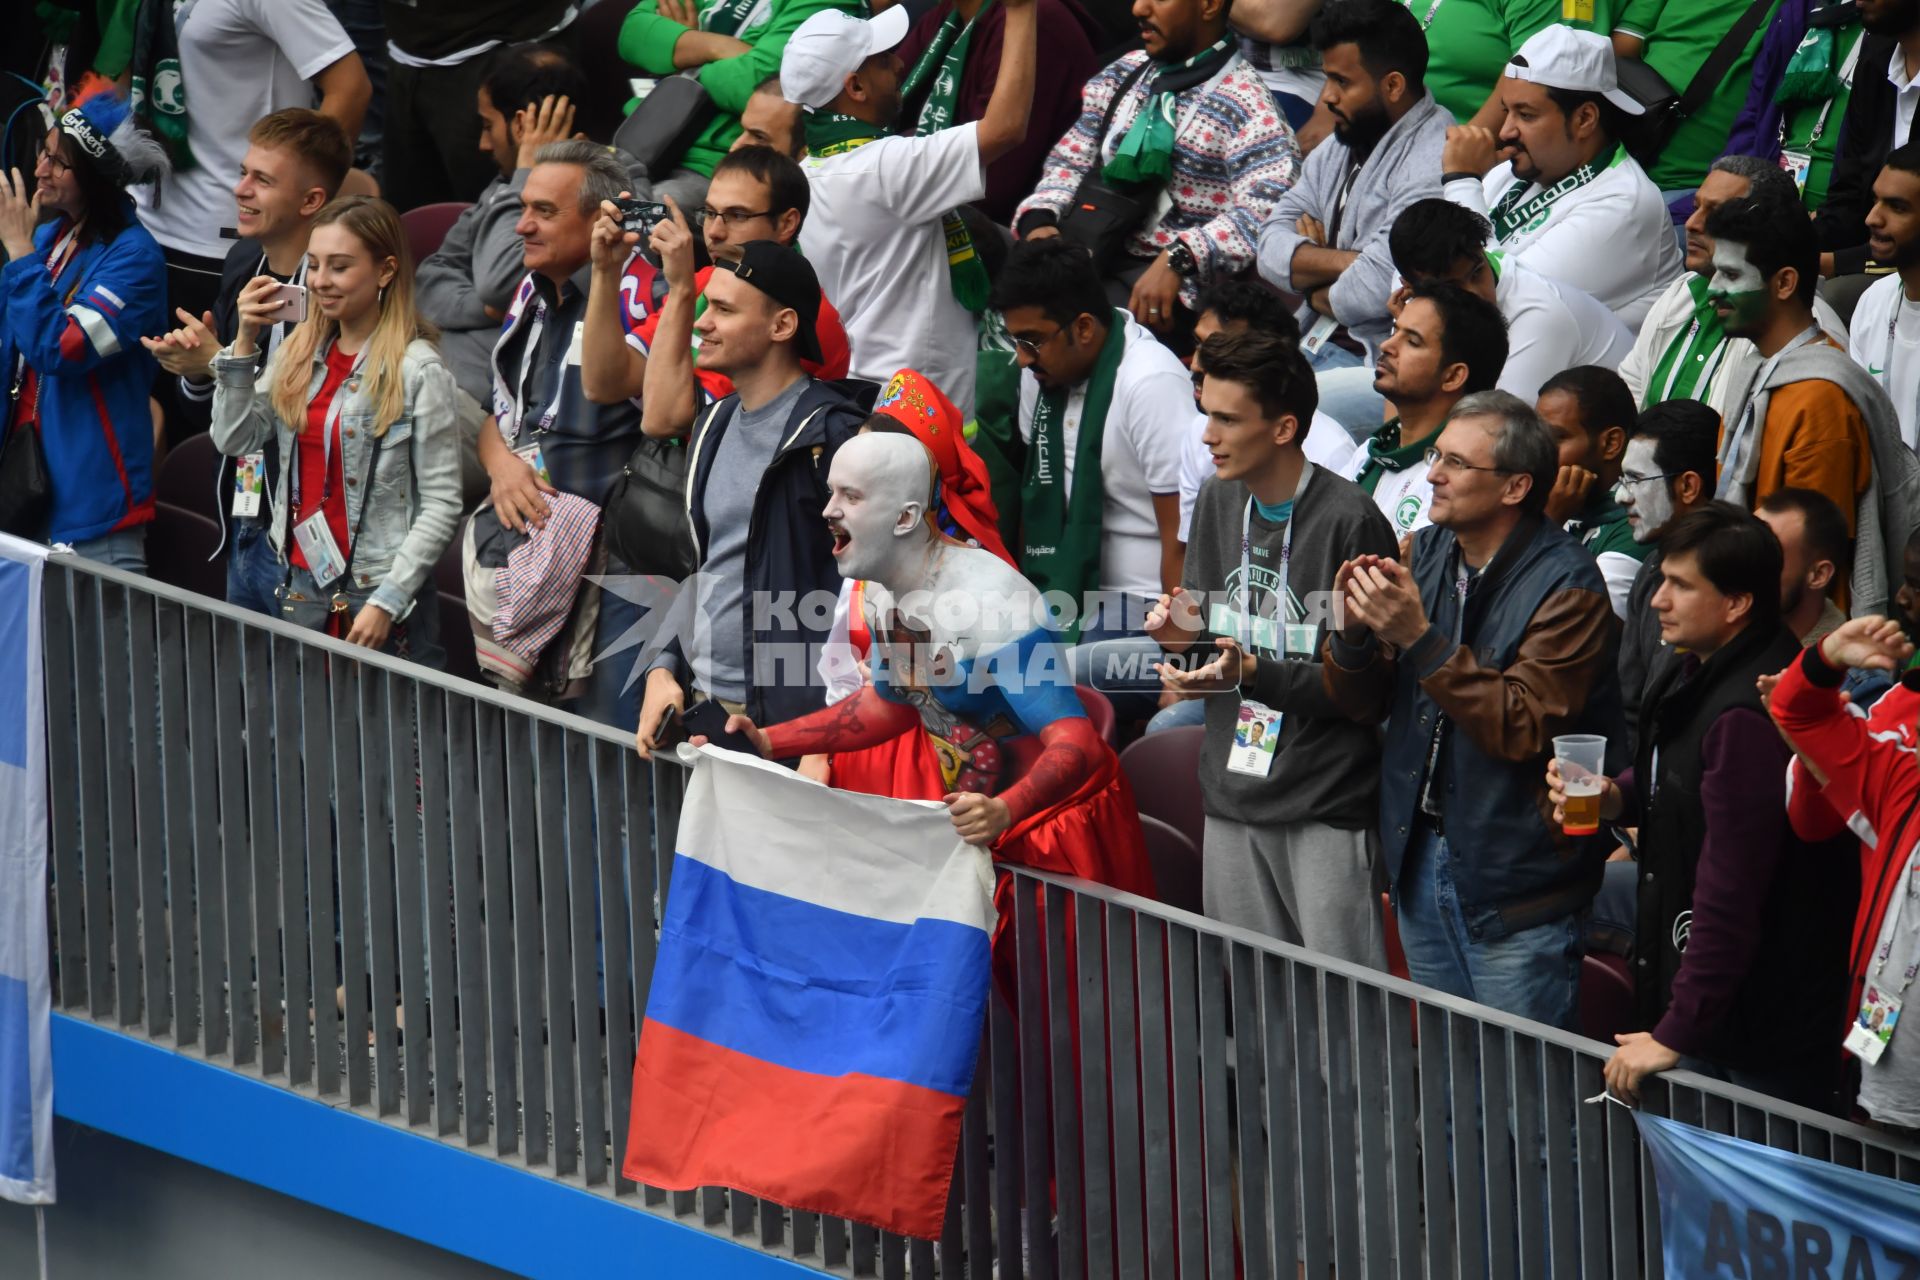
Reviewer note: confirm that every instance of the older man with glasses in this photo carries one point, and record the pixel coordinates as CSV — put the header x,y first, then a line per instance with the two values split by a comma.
x,y
1493,638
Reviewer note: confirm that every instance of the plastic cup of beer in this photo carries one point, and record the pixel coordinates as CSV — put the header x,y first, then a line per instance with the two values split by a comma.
x,y
1582,758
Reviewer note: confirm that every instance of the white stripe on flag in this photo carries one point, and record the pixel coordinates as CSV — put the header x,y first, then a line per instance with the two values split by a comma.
x,y
850,851
26,1067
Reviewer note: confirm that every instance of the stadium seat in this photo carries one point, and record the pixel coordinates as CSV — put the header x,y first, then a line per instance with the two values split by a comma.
x,y
1608,1005
190,476
1098,709
427,226
179,543
1164,769
1176,864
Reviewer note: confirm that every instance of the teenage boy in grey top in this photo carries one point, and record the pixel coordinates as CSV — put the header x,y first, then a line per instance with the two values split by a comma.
x,y
1290,845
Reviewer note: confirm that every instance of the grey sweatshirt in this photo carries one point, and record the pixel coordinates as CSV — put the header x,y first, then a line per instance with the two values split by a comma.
x,y
1403,168
1327,768
478,265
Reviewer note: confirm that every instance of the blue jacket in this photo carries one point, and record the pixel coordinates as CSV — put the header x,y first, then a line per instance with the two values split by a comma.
x,y
1533,658
790,555
83,343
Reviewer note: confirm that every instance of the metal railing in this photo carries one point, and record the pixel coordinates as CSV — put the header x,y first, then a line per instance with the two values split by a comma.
x,y
437,905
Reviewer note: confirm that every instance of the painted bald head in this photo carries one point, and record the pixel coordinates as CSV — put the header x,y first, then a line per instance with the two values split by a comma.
x,y
878,492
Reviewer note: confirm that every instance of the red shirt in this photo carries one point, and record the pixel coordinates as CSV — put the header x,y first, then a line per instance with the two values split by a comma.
x,y
311,460
636,288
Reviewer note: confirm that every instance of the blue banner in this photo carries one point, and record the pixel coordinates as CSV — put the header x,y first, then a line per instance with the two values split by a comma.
x,y
1734,1210
26,1068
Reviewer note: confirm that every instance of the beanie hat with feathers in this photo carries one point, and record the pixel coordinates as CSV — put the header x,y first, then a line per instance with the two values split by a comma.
x,y
102,126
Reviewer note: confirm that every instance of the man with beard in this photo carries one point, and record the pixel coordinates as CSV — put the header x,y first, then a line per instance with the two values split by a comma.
x,y
1682,352
1886,323
1324,239
1815,553
883,234
1880,117
1666,472
1569,201
1186,125
1809,418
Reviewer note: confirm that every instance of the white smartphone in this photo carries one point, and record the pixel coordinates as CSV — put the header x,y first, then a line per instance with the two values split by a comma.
x,y
289,304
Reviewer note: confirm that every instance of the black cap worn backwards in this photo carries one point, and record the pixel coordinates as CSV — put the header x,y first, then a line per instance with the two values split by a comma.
x,y
786,277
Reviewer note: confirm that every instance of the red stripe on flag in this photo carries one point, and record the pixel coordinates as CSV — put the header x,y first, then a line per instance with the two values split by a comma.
x,y
859,1147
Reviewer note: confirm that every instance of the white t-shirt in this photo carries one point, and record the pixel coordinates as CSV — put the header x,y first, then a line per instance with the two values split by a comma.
x,y
1612,237
874,238
1327,445
1552,327
1149,421
1893,358
1404,497
239,60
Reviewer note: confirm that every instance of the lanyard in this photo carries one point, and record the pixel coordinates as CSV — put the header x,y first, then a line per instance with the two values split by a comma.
x,y
1893,320
1432,9
527,355
1731,461
1846,78
328,430
1340,206
1889,929
57,259
1461,580
1246,568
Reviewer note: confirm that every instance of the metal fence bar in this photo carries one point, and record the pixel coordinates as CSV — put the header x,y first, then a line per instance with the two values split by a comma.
x,y
184,791
1067,1108
64,774
291,836
550,751
1374,1047
383,921
1310,1100
637,798
1096,1078
436,905
207,734
1129,1187
236,843
616,911
403,786
263,832
123,840
1249,1082
149,808
530,1016
469,940
89,699
495,850
589,1001
322,828
350,830
1281,1114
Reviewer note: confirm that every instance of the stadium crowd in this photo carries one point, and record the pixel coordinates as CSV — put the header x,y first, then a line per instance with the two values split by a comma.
x,y
1483,377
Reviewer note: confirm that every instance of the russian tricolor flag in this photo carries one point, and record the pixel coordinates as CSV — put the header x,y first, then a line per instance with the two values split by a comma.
x,y
26,1070
817,998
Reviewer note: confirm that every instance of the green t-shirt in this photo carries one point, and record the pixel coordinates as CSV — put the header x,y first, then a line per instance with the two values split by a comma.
x,y
1469,42
1812,129
1679,35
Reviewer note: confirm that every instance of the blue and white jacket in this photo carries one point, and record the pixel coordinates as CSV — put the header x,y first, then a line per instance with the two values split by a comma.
x,y
80,336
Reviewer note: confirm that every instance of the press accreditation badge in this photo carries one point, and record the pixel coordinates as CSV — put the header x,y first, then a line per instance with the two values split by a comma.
x,y
1256,735
1873,1029
324,560
532,455
1316,337
249,482
1798,164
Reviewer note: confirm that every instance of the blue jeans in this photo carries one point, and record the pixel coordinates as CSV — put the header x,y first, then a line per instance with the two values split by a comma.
x,y
616,682
253,569
1181,714
123,549
1534,973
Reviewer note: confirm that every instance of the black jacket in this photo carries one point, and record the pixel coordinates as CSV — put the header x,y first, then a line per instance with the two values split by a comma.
x,y
1532,658
243,262
1866,136
789,552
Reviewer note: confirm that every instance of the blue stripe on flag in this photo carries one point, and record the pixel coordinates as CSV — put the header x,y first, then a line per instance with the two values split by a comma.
x,y
16,615
814,989
16,1084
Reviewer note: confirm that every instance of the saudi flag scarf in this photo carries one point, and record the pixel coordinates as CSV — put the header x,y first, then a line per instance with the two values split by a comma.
x,y
1146,153
832,134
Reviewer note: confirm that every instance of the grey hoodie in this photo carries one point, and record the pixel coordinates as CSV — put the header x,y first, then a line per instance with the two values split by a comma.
x,y
1404,167
1327,768
1887,512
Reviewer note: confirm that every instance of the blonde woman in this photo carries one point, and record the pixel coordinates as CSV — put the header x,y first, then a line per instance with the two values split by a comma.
x,y
368,494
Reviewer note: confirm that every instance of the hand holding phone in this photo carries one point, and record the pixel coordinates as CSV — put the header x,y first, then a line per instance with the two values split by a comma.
x,y
288,304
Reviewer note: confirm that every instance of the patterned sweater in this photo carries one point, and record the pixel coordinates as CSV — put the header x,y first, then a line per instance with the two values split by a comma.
x,y
1235,156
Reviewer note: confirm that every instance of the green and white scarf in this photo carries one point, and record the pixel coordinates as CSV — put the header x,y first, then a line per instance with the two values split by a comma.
x,y
1146,153
831,134
1060,537
1511,216
938,71
730,17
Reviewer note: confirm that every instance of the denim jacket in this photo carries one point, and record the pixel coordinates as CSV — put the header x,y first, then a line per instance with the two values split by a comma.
x,y
416,490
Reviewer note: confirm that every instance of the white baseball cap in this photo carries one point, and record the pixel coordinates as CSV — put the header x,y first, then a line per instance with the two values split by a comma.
x,y
830,46
1563,58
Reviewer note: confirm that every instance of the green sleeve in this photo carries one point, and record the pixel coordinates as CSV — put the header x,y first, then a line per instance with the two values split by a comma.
x,y
731,81
1525,18
116,37
1640,18
647,39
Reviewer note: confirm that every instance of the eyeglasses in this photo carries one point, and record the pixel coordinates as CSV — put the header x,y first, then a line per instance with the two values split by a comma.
x,y
55,165
732,217
1452,462
1031,349
1626,480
